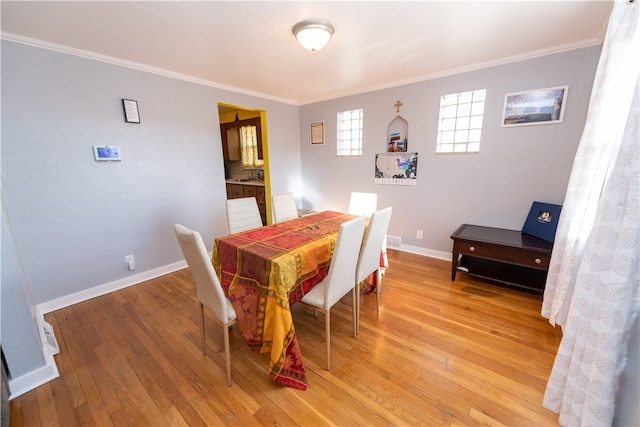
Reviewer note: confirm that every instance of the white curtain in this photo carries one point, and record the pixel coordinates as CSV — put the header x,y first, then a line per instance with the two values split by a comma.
x,y
593,285
249,146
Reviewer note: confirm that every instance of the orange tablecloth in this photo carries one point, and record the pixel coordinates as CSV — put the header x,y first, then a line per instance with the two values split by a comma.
x,y
264,271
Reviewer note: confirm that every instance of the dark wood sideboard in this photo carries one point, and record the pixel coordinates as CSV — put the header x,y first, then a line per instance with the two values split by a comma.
x,y
505,256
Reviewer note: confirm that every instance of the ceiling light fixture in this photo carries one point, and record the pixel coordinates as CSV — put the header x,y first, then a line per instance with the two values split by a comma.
x,y
313,34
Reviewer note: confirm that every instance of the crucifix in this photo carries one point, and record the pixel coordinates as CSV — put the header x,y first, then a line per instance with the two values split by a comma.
x,y
398,104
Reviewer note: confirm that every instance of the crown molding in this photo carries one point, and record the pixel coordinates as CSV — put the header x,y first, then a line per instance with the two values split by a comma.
x,y
133,65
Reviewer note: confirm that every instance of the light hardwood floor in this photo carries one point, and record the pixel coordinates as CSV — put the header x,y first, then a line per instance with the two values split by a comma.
x,y
439,353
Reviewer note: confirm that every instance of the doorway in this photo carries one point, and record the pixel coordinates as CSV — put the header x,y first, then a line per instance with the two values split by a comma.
x,y
243,133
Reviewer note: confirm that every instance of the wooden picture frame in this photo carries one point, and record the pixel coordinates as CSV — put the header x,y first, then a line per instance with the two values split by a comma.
x,y
317,133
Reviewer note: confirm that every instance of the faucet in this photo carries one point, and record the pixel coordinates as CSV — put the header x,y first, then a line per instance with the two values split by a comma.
x,y
251,170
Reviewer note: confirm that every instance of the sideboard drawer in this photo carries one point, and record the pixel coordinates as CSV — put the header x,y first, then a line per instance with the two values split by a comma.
x,y
520,256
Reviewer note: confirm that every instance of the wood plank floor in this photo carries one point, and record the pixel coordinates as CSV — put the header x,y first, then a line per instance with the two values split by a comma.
x,y
467,352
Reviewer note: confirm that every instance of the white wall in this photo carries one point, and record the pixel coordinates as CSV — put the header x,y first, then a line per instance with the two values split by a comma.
x,y
495,187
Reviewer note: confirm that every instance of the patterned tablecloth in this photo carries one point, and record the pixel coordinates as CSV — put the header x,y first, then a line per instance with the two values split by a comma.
x,y
264,271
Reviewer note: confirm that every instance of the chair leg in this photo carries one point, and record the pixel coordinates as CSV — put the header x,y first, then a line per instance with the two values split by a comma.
x,y
204,346
378,288
358,298
354,309
327,327
227,352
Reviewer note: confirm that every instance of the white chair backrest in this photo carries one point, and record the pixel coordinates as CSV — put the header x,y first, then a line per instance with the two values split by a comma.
x,y
284,207
363,203
243,214
369,260
208,287
344,260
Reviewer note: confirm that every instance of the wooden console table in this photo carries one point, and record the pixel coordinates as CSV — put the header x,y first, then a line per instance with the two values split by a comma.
x,y
506,256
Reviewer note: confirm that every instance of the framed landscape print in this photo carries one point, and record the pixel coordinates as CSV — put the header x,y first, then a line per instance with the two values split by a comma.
x,y
535,107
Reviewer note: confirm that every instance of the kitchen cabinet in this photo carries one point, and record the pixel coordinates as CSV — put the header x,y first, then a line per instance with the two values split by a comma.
x,y
230,133
237,191
230,141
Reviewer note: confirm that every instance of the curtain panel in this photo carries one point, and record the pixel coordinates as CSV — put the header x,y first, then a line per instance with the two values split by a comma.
x,y
593,285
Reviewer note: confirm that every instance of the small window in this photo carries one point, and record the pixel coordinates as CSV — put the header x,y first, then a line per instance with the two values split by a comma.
x,y
460,122
350,133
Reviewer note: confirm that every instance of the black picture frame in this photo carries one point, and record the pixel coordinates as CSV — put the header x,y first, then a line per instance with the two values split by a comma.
x,y
131,113
542,221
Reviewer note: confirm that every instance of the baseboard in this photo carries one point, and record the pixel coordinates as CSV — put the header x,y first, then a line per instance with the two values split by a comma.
x,y
67,300
27,382
424,252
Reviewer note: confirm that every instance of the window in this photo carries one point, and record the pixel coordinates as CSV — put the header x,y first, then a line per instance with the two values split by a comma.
x,y
350,133
460,122
249,144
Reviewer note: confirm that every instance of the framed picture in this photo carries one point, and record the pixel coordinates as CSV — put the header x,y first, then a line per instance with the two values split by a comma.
x,y
317,133
535,107
131,114
106,153
542,221
396,168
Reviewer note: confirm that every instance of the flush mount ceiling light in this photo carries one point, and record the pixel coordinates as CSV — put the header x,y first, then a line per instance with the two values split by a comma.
x,y
313,34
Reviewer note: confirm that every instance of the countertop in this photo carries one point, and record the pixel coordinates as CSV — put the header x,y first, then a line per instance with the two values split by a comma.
x,y
254,183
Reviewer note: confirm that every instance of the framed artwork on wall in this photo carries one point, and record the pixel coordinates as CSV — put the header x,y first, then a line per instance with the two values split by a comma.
x,y
317,133
131,113
396,168
535,107
106,153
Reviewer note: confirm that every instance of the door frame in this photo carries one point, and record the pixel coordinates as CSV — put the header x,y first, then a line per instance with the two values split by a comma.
x,y
227,113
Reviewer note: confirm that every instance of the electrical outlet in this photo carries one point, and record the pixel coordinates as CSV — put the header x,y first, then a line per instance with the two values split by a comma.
x,y
419,234
130,261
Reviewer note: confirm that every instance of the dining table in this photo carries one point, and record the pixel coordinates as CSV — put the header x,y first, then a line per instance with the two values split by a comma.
x,y
264,271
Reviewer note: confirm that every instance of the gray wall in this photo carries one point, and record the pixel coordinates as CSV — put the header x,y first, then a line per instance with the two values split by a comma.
x,y
495,187
20,339
75,219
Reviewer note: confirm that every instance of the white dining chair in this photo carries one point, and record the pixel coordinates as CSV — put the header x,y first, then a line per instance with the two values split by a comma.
x,y
363,203
243,214
369,259
208,287
340,278
284,207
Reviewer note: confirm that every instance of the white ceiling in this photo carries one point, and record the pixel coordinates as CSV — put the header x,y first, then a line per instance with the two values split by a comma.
x,y
248,46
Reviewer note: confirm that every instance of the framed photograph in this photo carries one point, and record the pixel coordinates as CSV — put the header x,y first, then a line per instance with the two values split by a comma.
x,y
542,221
106,153
535,107
317,133
131,114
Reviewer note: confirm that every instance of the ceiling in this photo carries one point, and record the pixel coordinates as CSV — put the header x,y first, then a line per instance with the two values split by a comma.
x,y
248,47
